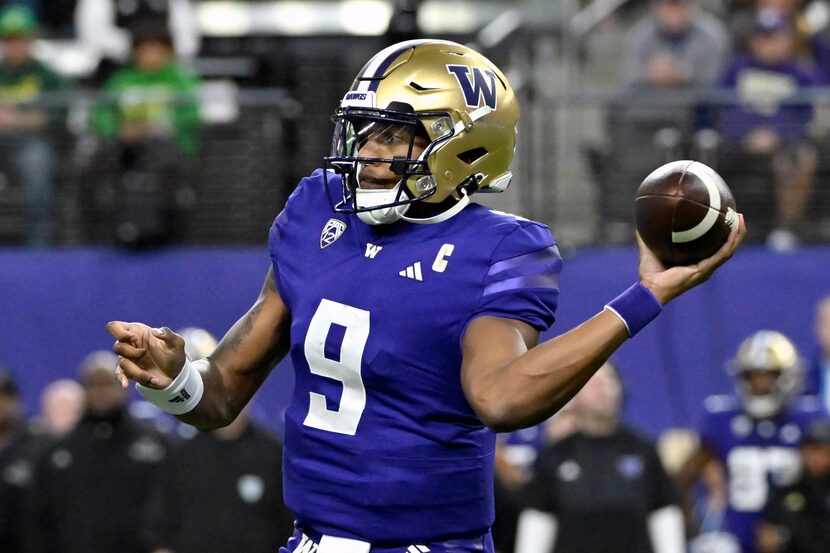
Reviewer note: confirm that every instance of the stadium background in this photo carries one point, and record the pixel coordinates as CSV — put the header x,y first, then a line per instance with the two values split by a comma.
x,y
272,72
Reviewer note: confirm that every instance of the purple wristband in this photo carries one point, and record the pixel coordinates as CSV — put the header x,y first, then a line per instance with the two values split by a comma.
x,y
636,307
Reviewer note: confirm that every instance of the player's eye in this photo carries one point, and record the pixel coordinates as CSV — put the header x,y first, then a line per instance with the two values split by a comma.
x,y
393,138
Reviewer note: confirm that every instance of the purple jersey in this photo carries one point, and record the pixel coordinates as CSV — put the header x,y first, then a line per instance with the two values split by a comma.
x,y
381,444
757,454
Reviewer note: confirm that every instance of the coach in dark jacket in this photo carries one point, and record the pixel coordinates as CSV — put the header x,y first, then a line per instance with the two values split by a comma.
x,y
91,486
222,494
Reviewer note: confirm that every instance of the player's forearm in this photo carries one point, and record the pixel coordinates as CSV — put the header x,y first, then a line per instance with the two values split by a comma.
x,y
242,361
227,389
538,383
216,408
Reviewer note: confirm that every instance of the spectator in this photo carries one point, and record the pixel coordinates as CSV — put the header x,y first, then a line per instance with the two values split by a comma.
x,y
797,517
809,21
91,486
18,448
61,407
751,438
817,380
241,509
602,488
676,45
150,117
675,50
24,120
765,131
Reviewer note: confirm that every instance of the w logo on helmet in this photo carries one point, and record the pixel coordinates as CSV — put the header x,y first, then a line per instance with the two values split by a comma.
x,y
477,84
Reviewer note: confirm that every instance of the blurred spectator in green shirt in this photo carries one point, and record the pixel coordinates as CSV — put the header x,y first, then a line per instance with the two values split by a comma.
x,y
155,98
27,111
148,120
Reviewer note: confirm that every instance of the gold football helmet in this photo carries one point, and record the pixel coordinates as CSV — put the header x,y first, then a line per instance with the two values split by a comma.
x,y
449,95
770,352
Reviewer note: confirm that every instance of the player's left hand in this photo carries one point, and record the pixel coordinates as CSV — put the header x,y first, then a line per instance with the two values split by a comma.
x,y
668,283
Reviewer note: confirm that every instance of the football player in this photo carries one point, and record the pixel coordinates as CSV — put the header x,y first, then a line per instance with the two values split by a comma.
x,y
750,439
411,315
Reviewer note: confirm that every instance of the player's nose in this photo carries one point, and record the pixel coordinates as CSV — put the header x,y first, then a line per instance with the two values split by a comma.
x,y
375,149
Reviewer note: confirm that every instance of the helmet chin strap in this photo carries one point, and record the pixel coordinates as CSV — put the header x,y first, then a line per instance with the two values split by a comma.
x,y
444,215
384,215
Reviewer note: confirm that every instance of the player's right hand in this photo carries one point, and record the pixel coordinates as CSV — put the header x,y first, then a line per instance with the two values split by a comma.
x,y
667,283
150,356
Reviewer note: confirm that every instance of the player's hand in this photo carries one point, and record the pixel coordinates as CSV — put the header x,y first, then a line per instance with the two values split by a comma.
x,y
668,283
150,356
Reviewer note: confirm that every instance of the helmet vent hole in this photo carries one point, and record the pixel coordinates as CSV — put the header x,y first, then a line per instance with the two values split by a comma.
x,y
416,86
471,156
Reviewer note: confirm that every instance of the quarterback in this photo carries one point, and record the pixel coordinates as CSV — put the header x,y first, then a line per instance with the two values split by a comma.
x,y
411,315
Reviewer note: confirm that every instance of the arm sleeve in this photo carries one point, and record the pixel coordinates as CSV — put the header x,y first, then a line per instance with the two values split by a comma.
x,y
522,281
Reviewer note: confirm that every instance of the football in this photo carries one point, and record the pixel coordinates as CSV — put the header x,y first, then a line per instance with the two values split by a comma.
x,y
684,212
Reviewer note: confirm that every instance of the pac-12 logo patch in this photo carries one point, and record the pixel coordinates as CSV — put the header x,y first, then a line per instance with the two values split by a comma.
x,y
331,232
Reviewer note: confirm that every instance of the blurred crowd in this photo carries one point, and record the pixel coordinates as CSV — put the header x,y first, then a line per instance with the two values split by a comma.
x,y
142,123
740,86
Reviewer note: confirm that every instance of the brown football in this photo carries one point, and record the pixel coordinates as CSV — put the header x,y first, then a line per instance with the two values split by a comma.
x,y
684,212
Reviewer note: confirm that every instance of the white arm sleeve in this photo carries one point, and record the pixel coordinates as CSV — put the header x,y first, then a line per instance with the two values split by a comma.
x,y
665,528
536,532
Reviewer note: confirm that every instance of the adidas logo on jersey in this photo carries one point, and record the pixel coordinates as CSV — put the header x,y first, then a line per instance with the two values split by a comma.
x,y
413,272
307,545
417,549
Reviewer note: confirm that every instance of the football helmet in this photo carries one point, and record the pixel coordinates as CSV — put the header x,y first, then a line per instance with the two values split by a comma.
x,y
767,351
456,100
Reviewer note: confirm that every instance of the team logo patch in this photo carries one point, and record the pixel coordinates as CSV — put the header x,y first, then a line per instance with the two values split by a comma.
x,y
478,86
331,232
